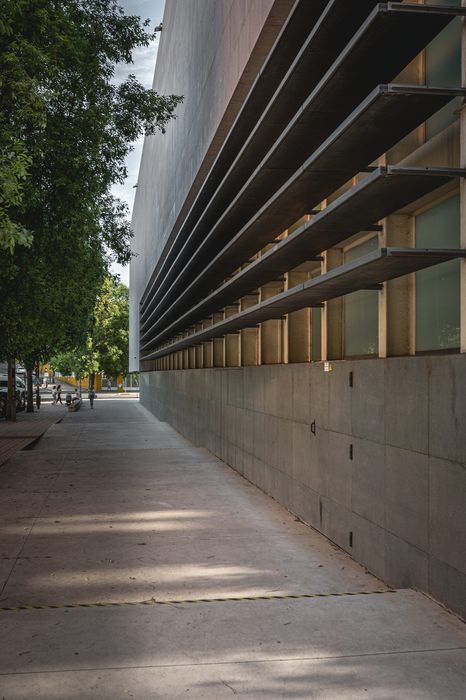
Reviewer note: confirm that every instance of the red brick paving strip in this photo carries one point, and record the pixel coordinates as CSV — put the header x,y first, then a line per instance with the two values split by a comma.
x,y
18,435
10,446
33,428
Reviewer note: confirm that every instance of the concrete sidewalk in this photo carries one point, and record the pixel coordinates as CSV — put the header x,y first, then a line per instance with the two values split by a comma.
x,y
114,527
25,430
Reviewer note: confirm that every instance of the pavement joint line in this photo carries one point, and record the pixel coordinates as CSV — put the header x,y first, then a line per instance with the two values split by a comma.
x,y
240,662
153,602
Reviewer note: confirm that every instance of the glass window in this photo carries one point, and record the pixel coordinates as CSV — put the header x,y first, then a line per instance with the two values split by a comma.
x,y
361,311
443,68
438,287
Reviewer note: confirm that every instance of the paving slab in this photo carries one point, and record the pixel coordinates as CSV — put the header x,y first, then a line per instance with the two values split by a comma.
x,y
125,534
407,675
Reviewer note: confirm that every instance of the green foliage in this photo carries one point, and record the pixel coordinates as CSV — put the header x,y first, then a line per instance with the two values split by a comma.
x,y
66,128
80,362
106,347
13,172
110,335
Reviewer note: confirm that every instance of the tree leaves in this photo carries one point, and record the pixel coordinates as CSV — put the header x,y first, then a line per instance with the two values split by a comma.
x,y
69,128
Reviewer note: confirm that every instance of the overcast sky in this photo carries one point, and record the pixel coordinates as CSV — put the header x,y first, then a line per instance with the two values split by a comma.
x,y
143,69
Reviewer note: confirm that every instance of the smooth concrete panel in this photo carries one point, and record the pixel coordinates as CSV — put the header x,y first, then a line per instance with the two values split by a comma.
x,y
278,390
447,584
405,565
447,408
340,397
315,472
300,409
368,480
301,452
337,468
368,545
367,404
447,503
336,523
319,395
304,502
406,496
285,444
407,403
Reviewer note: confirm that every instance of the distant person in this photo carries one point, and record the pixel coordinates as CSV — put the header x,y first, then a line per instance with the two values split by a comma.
x,y
38,397
91,396
54,395
109,385
59,395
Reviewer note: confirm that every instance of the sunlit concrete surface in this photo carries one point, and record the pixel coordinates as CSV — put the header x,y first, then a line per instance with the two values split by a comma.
x,y
114,506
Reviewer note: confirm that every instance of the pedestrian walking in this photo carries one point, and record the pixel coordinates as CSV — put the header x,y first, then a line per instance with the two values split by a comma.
x,y
38,397
91,396
54,395
59,395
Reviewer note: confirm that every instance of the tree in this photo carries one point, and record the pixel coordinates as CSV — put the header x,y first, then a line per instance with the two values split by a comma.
x,y
79,361
106,347
110,335
14,166
65,130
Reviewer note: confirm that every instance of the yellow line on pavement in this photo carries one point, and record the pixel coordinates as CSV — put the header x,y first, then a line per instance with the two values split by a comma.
x,y
153,601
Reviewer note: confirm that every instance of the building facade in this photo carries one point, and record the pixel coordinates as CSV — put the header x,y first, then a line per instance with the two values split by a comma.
x,y
298,293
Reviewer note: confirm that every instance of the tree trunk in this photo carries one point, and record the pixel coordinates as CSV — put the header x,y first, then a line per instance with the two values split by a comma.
x,y
30,390
11,397
91,380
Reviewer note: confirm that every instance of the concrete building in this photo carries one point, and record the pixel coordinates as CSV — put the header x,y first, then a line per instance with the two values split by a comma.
x,y
298,297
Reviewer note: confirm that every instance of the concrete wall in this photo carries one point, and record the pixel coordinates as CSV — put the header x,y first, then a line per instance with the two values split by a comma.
x,y
387,462
210,53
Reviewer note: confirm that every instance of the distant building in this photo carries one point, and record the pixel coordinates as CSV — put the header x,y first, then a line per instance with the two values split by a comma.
x,y
298,298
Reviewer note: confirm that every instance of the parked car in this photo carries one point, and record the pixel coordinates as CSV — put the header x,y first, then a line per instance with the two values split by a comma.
x,y
3,403
21,391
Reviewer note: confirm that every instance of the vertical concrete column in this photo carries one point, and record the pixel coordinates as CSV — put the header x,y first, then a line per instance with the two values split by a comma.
x,y
396,300
198,350
199,355
232,341
249,337
299,325
186,358
332,313
271,339
218,343
208,354
192,352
